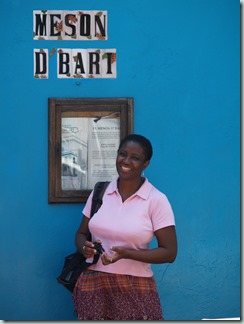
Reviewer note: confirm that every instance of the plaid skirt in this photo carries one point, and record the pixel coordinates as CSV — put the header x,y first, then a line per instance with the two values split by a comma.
x,y
107,296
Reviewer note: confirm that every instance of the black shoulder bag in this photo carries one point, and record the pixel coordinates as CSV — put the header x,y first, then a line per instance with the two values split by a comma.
x,y
75,263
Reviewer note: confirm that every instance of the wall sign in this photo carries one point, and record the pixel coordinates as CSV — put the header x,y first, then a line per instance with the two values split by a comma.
x,y
73,25
70,25
77,63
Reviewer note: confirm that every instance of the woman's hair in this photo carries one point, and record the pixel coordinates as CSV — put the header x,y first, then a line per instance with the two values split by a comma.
x,y
143,141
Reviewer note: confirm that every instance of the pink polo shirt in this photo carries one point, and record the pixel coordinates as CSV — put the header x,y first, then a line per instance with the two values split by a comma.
x,y
131,224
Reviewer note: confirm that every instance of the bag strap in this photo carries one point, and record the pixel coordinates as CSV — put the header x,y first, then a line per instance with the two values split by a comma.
x,y
97,199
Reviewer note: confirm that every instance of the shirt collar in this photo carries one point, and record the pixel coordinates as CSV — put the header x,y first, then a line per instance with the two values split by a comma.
x,y
143,192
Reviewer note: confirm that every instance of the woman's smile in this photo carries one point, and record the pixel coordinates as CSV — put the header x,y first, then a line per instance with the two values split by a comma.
x,y
130,161
125,169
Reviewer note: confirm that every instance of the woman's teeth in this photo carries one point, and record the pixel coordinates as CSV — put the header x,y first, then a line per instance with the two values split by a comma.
x,y
125,169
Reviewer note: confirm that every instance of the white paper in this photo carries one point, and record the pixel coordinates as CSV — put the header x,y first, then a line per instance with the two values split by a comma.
x,y
74,153
89,150
104,137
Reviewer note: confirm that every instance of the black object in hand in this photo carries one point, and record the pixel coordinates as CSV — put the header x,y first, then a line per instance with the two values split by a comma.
x,y
98,247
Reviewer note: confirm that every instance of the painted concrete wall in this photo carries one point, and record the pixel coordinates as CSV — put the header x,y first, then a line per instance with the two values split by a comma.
x,y
179,60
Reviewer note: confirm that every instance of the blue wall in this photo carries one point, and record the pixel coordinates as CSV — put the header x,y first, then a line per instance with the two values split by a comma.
x,y
180,60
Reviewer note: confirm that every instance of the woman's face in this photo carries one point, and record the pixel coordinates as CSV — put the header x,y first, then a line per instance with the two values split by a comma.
x,y
131,160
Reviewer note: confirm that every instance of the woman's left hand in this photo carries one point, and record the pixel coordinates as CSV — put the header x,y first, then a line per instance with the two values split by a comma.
x,y
117,255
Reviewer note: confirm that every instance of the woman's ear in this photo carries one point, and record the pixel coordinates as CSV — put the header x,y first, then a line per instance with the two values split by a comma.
x,y
146,164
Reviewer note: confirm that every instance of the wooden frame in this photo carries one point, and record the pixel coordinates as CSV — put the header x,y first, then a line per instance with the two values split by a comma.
x,y
84,134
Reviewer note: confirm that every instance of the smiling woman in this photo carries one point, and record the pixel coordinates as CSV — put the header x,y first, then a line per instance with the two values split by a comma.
x,y
132,213
131,161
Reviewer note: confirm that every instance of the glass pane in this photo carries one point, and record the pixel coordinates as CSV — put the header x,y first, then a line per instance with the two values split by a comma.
x,y
89,149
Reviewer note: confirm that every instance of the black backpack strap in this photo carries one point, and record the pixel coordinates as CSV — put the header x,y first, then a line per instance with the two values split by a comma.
x,y
97,199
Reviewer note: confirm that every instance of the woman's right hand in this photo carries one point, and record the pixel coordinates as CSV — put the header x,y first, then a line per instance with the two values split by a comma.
x,y
88,249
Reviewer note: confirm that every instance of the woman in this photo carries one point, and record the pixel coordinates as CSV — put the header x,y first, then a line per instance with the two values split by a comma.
x,y
121,285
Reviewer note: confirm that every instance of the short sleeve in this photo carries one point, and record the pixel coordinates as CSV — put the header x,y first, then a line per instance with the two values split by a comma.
x,y
161,214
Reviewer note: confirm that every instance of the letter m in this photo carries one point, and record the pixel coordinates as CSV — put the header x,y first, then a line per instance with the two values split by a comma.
x,y
40,24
